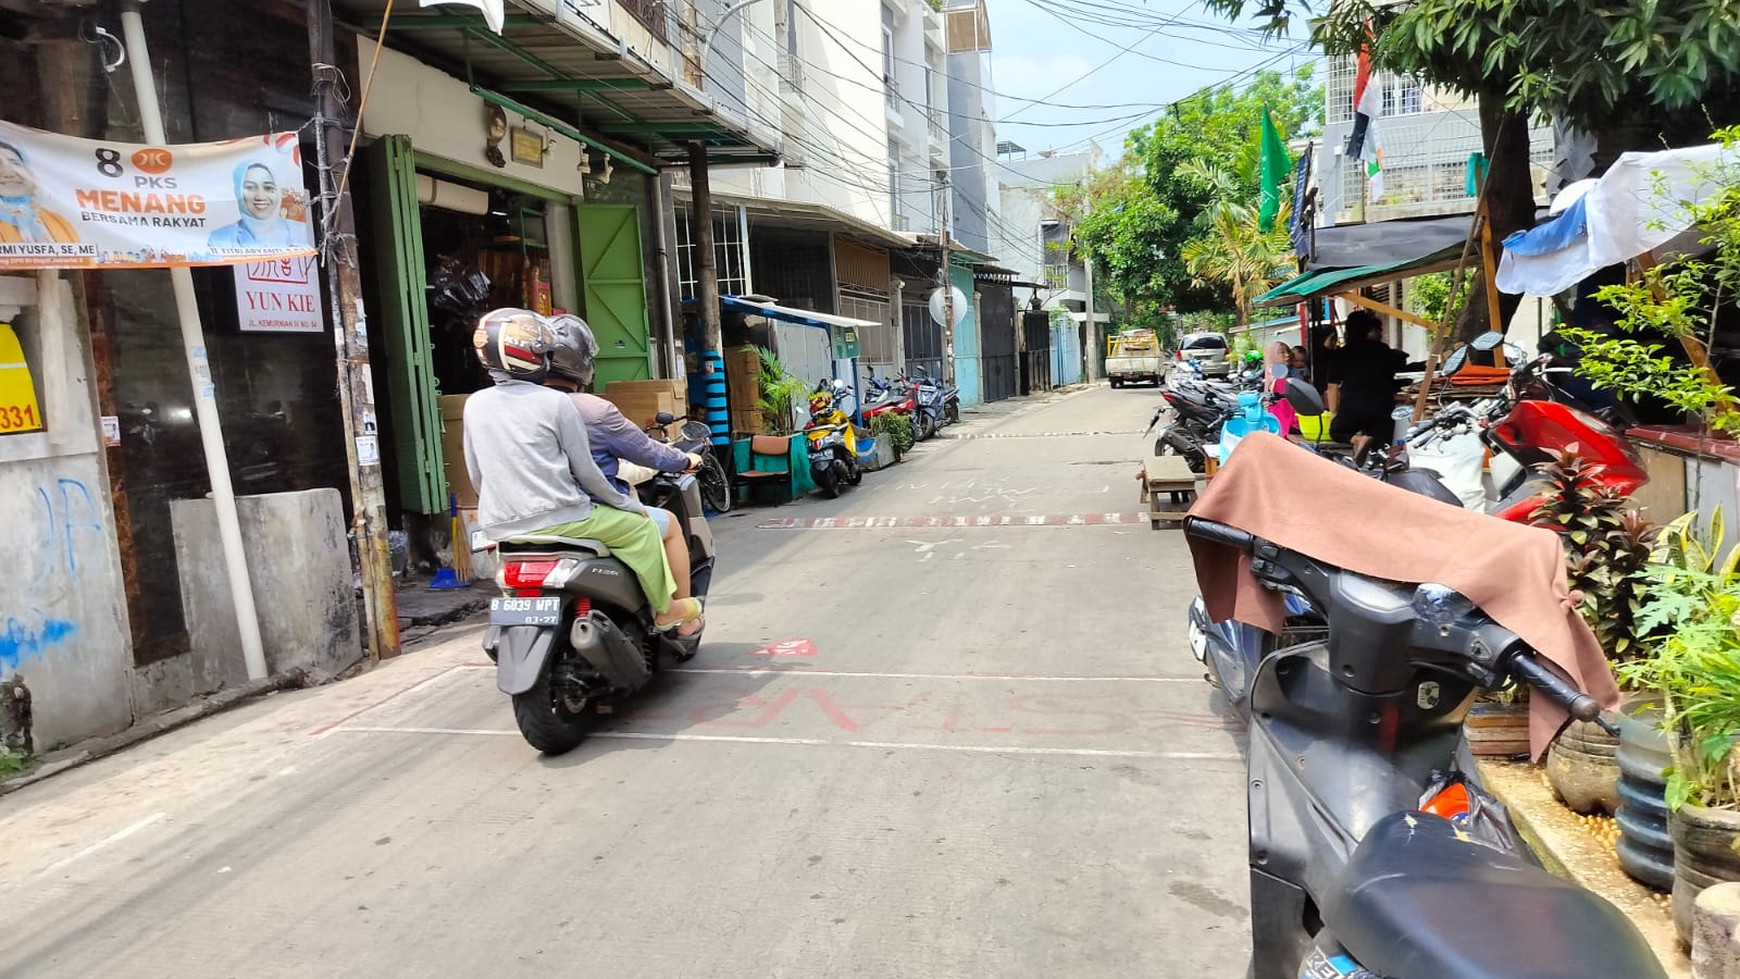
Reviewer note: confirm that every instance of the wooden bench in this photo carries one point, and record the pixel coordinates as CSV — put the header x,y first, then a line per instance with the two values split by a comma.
x,y
1169,477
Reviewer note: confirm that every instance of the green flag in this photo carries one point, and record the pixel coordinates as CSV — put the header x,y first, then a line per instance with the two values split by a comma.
x,y
1273,174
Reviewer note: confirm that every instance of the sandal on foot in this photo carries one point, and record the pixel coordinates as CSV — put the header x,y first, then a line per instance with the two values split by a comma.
x,y
698,606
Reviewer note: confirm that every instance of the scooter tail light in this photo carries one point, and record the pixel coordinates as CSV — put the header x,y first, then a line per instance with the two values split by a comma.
x,y
526,574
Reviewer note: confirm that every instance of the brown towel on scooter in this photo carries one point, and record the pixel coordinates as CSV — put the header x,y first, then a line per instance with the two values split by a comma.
x,y
1327,511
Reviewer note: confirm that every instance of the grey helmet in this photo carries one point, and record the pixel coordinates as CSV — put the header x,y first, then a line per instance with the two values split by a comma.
x,y
575,353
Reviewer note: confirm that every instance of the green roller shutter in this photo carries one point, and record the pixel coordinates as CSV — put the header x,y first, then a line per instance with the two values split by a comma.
x,y
415,415
613,284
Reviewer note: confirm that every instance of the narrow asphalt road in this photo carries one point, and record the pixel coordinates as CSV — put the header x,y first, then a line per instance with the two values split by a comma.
x,y
922,740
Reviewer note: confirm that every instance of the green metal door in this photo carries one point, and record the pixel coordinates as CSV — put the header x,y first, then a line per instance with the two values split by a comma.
x,y
613,284
414,414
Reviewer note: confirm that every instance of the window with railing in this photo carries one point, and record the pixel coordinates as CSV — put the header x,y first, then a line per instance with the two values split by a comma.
x,y
650,13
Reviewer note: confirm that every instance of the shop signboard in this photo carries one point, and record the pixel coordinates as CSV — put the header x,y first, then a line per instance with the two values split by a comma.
x,y
67,202
280,296
845,343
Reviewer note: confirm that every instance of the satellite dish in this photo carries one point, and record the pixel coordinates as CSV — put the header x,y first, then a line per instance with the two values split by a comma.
x,y
936,305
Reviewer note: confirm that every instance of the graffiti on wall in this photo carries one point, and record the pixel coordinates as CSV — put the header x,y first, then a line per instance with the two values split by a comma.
x,y
64,522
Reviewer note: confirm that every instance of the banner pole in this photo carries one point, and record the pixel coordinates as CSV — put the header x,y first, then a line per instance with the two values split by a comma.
x,y
217,463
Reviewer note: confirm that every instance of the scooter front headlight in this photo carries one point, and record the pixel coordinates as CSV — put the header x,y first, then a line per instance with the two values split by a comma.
x,y
1198,642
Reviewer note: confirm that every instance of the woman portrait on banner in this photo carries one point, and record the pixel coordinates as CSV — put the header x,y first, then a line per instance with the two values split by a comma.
x,y
262,223
22,219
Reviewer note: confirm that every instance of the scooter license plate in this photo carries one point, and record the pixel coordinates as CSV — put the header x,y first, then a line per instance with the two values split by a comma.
x,y
525,611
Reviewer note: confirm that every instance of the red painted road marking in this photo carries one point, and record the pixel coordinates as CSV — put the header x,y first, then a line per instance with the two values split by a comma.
x,y
997,520
791,647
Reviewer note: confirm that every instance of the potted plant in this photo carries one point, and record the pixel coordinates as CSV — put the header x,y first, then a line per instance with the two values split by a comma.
x,y
896,428
1607,547
1694,599
780,390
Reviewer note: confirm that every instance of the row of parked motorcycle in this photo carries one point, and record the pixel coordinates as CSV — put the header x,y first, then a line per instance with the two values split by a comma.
x,y
1374,848
835,442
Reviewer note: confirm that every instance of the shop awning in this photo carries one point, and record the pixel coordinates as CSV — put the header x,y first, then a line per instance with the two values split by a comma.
x,y
757,306
1325,282
1348,246
554,62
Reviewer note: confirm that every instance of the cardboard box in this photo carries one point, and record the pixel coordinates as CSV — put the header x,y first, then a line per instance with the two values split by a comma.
x,y
641,401
453,449
743,390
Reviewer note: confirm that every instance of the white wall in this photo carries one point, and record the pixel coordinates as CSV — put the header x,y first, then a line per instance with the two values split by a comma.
x,y
63,626
444,119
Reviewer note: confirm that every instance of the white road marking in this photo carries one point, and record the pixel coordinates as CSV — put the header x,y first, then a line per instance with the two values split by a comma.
x,y
109,840
1020,677
985,749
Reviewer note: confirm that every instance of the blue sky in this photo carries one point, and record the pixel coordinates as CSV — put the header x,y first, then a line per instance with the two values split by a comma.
x,y
1176,48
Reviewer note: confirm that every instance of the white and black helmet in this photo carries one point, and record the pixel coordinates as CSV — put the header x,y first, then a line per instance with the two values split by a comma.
x,y
514,344
522,345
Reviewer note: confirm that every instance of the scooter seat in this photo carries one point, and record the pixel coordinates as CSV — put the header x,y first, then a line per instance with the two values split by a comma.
x,y
544,542
1421,899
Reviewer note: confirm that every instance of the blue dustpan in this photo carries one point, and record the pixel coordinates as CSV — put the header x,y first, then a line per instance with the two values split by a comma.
x,y
446,580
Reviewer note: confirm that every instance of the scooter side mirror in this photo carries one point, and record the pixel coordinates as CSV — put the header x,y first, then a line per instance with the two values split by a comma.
x,y
1304,398
1279,372
665,418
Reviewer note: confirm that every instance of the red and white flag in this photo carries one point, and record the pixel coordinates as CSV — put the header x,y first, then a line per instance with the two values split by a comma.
x,y
1363,143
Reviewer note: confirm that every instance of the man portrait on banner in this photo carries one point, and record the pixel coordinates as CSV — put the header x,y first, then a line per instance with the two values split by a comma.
x,y
22,218
262,223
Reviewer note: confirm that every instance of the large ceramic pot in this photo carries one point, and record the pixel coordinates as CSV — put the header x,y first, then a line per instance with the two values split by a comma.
x,y
1704,856
1583,767
1496,730
1646,850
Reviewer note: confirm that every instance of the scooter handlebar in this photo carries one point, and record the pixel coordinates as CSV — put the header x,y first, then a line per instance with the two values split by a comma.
x,y
1525,667
1220,533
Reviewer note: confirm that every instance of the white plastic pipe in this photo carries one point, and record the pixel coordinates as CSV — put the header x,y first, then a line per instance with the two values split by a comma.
x,y
217,461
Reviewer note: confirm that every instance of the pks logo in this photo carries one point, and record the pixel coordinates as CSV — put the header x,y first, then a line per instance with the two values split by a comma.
x,y
153,160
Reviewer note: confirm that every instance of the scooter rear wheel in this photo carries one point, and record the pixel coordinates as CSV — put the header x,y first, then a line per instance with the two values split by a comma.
x,y
927,426
550,722
828,482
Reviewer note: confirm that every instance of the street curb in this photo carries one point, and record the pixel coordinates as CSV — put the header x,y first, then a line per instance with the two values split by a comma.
x,y
85,752
1565,849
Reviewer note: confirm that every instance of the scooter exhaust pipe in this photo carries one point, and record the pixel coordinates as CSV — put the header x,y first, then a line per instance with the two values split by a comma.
x,y
608,650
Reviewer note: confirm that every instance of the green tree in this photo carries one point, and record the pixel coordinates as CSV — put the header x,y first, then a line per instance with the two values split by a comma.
x,y
1135,218
1634,74
1234,251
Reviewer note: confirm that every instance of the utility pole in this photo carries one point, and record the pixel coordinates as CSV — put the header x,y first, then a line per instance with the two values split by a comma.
x,y
944,274
707,294
368,496
205,410
1090,348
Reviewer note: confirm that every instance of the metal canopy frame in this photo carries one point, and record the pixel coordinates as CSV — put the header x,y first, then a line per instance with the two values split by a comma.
x,y
606,99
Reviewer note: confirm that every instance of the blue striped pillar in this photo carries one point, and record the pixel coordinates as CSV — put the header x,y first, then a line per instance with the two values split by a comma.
x,y
718,419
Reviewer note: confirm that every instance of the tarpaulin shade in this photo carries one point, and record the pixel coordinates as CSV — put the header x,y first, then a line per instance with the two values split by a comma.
x,y
774,311
1335,281
1349,246
1644,202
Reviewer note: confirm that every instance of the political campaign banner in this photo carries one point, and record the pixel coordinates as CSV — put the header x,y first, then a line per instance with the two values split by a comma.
x,y
67,202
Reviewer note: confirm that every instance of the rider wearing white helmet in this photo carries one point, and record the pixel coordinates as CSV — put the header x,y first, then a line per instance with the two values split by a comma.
x,y
528,455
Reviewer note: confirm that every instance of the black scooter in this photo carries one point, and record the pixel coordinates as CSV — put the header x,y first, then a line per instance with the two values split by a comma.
x,y
573,634
1353,735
